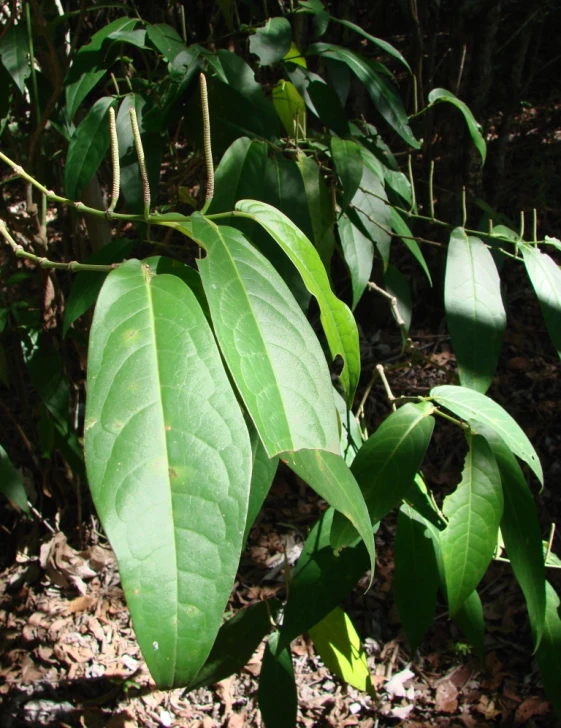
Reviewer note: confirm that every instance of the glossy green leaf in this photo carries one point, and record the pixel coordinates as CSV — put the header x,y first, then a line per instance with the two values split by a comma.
x,y
419,498
477,409
475,313
320,206
271,350
384,45
278,700
87,285
321,579
358,251
545,275
474,511
521,532
336,318
271,42
291,109
370,204
166,40
262,474
348,165
319,97
351,438
11,484
548,655
168,459
472,623
14,50
399,183
475,129
338,644
398,286
416,576
386,464
401,228
87,149
236,641
330,477
384,95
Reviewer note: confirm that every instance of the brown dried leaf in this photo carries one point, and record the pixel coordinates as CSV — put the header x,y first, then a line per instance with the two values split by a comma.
x,y
446,697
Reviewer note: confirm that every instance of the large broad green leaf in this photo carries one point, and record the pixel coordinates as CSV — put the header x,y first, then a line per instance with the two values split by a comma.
x,y
419,498
278,700
401,228
87,149
358,251
14,50
330,477
384,45
262,473
168,460
338,644
472,623
166,40
545,275
87,284
475,129
337,320
321,579
386,464
348,165
290,108
521,532
271,42
416,577
319,97
236,641
11,484
271,350
370,204
477,409
474,309
320,206
548,655
474,512
384,96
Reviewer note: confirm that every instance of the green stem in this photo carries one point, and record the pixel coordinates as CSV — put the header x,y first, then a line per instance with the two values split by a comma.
x,y
455,421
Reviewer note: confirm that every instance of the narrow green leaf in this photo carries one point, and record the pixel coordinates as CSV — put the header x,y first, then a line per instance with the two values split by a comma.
x,y
545,275
472,623
474,512
168,459
338,644
290,108
87,285
474,309
262,474
398,286
358,252
271,42
370,203
400,227
521,532
386,464
336,318
384,96
348,165
166,40
271,350
548,655
11,484
384,45
278,700
477,409
399,183
320,206
475,129
330,477
14,50
419,498
236,641
87,148
416,576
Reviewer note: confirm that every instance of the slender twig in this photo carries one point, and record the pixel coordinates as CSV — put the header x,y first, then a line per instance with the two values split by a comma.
x,y
182,20
464,207
445,416
535,224
360,410
550,541
207,145
114,160
389,393
141,163
431,189
395,310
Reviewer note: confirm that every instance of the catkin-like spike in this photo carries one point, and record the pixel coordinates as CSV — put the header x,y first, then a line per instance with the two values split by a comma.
x,y
207,143
141,162
114,160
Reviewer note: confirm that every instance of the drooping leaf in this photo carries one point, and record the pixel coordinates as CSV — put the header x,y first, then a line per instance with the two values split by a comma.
x,y
545,275
271,42
168,459
291,109
383,94
399,183
338,644
370,204
475,129
384,45
477,409
398,286
385,466
400,227
419,498
277,696
87,148
14,50
348,164
358,252
474,309
472,623
474,512
548,655
262,473
320,206
337,320
267,343
319,97
330,477
87,285
11,484
236,641
166,40
351,438
416,577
